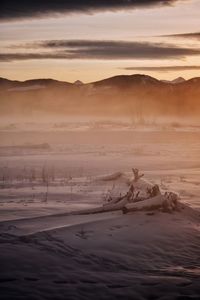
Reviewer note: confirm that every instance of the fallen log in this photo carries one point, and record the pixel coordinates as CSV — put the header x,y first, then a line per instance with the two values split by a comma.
x,y
116,206
167,203
151,203
141,195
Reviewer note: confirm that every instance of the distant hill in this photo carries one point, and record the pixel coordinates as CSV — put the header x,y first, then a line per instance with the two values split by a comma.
x,y
9,84
175,81
119,95
178,80
127,81
78,82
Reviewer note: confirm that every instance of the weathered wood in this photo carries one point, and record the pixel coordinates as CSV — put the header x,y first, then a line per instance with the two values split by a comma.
x,y
153,191
150,203
167,203
136,174
141,195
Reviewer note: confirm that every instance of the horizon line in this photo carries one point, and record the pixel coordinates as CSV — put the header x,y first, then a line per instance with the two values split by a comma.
x,y
134,74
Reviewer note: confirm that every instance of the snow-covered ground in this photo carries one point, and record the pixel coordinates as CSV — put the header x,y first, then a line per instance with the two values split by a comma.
x,y
91,124
49,253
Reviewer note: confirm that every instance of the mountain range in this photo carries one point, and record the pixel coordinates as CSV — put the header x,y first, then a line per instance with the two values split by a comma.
x,y
119,95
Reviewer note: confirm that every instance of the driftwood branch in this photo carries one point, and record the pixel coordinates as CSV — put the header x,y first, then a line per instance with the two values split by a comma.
x,y
166,203
140,196
136,174
153,191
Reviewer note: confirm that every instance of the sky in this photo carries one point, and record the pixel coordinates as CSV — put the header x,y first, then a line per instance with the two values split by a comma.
x,y
91,40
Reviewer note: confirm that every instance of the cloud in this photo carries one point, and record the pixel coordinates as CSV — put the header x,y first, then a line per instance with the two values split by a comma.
x,y
7,57
12,9
191,35
163,68
100,50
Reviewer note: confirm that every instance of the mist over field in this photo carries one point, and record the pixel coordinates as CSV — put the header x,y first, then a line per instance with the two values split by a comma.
x,y
134,97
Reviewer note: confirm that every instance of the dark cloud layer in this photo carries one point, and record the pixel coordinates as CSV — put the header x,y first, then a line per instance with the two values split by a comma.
x,y
12,9
191,35
101,50
6,57
163,68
